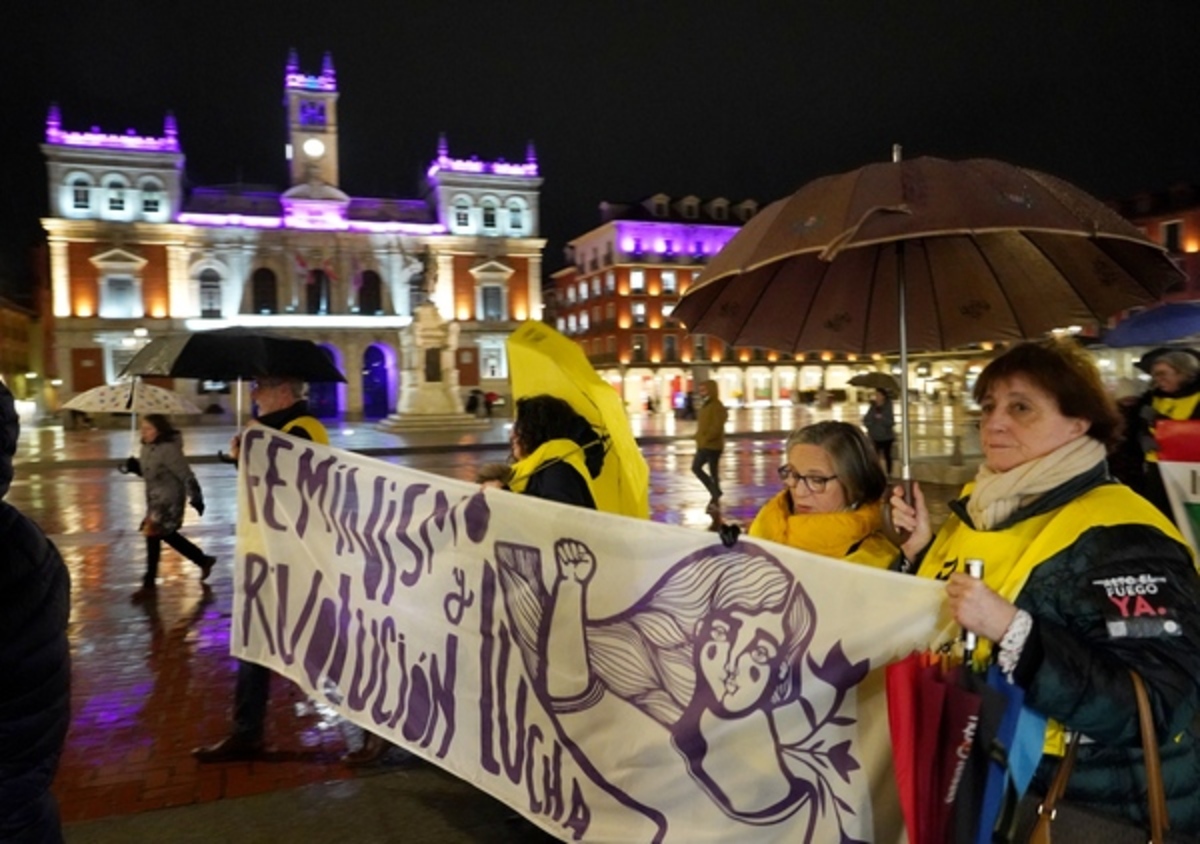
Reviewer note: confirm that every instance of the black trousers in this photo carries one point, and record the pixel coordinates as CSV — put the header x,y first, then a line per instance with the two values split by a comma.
x,y
154,550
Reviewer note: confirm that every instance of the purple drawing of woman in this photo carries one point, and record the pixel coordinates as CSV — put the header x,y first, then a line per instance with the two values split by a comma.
x,y
712,653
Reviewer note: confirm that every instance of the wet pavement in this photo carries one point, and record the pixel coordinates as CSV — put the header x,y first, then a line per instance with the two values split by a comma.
x,y
152,680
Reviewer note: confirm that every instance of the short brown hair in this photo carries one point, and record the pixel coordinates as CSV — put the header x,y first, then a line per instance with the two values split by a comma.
x,y
852,454
1065,371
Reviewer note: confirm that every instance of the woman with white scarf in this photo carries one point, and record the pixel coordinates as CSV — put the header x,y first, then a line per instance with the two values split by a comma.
x,y
1083,580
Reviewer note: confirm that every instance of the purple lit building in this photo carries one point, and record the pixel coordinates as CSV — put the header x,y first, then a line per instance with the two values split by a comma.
x,y
133,255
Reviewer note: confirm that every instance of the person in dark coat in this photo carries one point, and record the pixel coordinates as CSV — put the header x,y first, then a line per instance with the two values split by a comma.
x,y
281,406
556,453
169,484
1083,581
880,422
1175,394
35,661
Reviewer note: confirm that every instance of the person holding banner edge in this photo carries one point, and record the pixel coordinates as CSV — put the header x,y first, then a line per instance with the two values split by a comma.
x,y
1084,580
556,454
281,405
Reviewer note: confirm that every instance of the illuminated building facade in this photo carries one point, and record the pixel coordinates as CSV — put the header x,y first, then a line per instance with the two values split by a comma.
x,y
133,255
1171,218
624,278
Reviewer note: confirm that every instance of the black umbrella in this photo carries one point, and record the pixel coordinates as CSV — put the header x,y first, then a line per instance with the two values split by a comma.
x,y
233,354
877,381
230,354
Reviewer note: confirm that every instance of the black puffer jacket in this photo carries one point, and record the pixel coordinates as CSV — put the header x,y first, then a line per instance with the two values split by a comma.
x,y
35,668
1075,664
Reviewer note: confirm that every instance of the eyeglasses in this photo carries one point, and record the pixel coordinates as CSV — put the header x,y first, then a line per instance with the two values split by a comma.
x,y
813,483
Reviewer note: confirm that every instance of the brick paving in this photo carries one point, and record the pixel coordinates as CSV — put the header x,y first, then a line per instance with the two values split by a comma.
x,y
153,680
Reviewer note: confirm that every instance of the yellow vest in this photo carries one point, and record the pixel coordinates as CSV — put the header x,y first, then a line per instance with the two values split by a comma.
x,y
311,426
1180,408
1010,555
549,452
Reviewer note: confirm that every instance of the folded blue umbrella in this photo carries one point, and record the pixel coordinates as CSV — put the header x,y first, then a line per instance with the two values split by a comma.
x,y
1015,752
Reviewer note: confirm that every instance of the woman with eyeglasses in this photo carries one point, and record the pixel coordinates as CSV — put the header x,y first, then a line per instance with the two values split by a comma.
x,y
830,504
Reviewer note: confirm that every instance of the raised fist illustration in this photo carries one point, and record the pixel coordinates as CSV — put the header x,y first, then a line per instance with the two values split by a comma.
x,y
575,560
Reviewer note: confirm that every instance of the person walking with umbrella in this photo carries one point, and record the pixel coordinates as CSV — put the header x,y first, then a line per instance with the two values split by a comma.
x,y
281,406
1175,395
170,484
880,423
1083,580
710,442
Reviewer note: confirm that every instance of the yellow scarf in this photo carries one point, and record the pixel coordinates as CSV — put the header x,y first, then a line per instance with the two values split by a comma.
x,y
552,451
827,534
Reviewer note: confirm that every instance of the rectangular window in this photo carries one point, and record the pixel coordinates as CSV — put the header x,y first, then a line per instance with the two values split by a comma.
x,y
118,298
610,345
571,324
610,310
699,347
668,308
637,281
639,348
670,348
116,199
1172,236
571,295
610,282
583,291
584,323
493,302
596,286
639,313
669,284
489,217
80,196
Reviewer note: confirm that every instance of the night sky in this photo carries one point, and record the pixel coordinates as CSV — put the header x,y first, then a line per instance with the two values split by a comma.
x,y
622,99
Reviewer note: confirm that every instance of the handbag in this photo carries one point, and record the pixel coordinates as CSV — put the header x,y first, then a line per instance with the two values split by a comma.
x,y
1154,782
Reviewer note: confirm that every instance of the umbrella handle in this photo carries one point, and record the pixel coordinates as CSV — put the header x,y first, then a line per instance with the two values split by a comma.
x,y
897,536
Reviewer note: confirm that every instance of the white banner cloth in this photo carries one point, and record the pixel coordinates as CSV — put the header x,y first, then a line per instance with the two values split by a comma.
x,y
609,678
1182,481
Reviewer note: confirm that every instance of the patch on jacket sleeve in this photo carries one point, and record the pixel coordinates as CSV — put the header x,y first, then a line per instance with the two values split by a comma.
x,y
1138,607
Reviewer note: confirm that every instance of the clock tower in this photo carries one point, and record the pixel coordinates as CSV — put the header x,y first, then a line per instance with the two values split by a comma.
x,y
311,102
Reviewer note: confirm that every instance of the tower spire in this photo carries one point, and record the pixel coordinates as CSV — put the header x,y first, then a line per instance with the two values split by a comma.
x,y
443,149
530,153
328,74
293,62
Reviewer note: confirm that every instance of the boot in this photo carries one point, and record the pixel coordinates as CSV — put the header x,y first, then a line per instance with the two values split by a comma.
x,y
236,747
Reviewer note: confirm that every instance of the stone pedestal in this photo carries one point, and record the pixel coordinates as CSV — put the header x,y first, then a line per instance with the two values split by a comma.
x,y
429,395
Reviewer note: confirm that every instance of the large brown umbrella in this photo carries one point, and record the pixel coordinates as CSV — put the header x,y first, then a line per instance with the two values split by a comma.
x,y
925,254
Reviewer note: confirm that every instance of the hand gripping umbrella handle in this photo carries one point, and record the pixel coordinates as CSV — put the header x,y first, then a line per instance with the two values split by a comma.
x,y
897,535
974,568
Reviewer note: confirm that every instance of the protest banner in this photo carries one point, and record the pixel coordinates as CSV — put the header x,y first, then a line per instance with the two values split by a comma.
x,y
611,679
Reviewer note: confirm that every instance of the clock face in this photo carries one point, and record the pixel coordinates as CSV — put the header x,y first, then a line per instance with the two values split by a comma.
x,y
313,148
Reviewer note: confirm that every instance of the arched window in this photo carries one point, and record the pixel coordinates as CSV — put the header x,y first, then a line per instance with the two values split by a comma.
x,y
116,196
516,217
264,298
151,198
81,195
316,295
462,214
210,294
489,215
370,293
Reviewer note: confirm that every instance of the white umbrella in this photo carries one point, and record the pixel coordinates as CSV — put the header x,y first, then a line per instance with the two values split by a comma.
x,y
134,397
